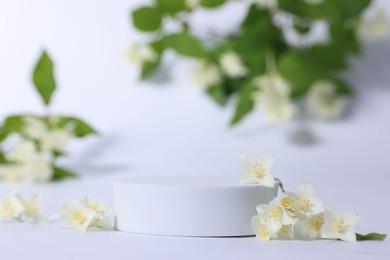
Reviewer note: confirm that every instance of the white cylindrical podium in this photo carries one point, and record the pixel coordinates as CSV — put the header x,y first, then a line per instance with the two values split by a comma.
x,y
187,206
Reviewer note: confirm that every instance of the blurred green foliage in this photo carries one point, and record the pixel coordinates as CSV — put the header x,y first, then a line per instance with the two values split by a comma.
x,y
257,36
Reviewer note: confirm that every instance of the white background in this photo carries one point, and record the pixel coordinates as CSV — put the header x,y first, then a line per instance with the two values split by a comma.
x,y
173,128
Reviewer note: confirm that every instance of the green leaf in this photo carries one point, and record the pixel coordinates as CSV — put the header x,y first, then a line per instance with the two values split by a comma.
x,y
258,35
370,236
43,77
245,103
172,7
329,9
299,71
186,44
344,39
3,160
217,94
342,87
256,17
147,19
329,57
14,124
81,128
353,9
212,3
3,134
148,68
60,173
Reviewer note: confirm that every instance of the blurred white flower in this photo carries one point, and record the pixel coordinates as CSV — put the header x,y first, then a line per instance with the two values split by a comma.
x,y
322,100
77,215
270,4
13,173
39,167
32,211
34,128
274,215
339,225
55,140
84,213
257,170
22,151
309,228
284,233
260,230
206,74
102,219
11,207
231,65
192,3
305,204
273,98
317,34
374,27
141,53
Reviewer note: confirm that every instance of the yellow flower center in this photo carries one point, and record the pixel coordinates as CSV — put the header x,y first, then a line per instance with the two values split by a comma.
x,y
257,170
303,203
78,217
264,233
316,222
31,208
338,225
95,206
286,202
283,229
7,209
275,213
63,207
13,175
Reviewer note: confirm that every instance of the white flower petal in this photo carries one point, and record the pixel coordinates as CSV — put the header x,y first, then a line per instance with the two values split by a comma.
x,y
206,74
273,97
348,236
306,190
141,53
259,229
257,171
374,27
339,225
34,128
22,151
231,65
351,218
262,210
284,233
323,101
273,226
267,181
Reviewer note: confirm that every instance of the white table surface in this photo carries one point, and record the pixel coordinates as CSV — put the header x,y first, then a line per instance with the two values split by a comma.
x,y
58,241
173,129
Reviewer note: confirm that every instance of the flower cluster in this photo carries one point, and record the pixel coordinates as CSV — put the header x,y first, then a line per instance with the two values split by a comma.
x,y
273,97
301,215
296,215
81,214
310,42
31,144
84,213
30,154
15,206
